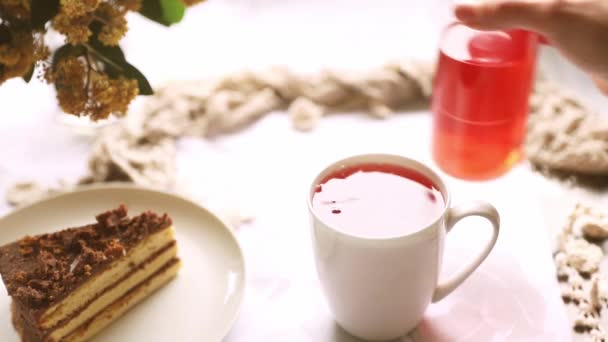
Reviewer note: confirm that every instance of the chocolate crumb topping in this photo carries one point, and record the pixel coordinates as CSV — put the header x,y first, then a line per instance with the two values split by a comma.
x,y
581,329
41,270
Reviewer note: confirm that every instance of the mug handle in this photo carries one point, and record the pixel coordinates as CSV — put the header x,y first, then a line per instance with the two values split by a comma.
x,y
454,215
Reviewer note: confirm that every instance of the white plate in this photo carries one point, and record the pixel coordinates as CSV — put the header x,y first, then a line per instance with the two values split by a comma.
x,y
200,304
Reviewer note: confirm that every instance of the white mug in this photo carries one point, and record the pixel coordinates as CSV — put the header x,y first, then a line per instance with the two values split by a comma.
x,y
379,288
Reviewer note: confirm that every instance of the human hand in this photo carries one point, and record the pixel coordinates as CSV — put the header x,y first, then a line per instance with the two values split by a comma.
x,y
577,28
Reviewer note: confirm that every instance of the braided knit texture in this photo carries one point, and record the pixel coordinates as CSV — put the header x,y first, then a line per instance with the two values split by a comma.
x,y
562,134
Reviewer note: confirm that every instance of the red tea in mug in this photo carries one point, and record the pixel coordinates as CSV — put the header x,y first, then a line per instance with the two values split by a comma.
x,y
377,200
480,100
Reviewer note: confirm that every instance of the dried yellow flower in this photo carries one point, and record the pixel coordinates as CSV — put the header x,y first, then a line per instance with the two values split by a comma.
x,y
17,9
9,55
41,51
77,8
69,78
111,96
75,29
17,53
16,70
83,91
114,24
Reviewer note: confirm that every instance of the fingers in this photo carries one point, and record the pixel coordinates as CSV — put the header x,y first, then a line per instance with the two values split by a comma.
x,y
602,85
534,15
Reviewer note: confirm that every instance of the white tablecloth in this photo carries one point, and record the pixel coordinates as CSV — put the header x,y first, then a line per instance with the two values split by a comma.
x,y
266,171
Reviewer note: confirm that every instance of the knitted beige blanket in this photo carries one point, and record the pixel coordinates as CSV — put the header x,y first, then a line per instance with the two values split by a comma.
x,y
562,135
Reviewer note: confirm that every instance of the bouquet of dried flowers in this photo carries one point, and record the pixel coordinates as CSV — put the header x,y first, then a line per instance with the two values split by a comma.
x,y
89,72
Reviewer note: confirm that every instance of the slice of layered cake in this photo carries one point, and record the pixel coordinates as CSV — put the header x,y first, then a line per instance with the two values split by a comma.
x,y
69,285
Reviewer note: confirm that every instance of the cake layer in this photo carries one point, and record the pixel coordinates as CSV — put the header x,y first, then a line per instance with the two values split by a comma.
x,y
95,285
17,321
123,304
113,293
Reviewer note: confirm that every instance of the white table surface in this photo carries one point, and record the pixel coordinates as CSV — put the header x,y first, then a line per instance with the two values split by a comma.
x,y
266,169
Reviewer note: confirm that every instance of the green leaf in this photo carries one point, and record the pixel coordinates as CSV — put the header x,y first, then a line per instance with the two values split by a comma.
x,y
28,76
43,11
65,51
166,12
130,71
173,10
116,65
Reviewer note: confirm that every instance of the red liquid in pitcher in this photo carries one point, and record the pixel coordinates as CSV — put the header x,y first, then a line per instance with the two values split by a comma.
x,y
377,200
480,100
